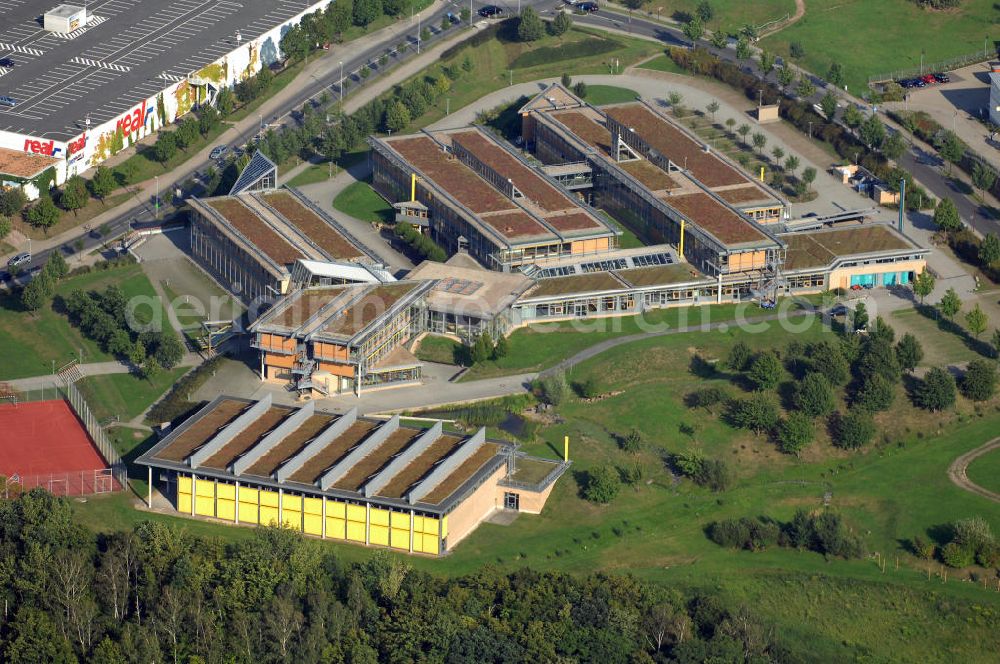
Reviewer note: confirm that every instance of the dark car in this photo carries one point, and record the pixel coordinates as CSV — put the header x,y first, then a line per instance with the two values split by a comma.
x,y
490,11
907,83
941,77
6,62
587,7
919,83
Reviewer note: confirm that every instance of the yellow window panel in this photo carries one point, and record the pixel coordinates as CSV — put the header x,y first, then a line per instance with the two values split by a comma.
x,y
336,509
184,502
204,506
356,513
400,539
335,528
312,524
355,531
268,516
379,535
226,492
444,526
312,506
226,509
248,495
205,488
430,545
430,526
183,484
379,517
269,499
249,513
401,520
291,519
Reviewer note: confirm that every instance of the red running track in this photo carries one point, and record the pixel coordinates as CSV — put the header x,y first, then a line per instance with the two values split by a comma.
x,y
42,437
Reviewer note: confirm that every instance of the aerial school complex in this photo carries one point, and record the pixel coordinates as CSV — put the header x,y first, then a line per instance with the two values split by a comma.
x,y
91,79
529,242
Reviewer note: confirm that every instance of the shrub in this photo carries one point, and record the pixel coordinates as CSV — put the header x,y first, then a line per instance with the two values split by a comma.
x,y
980,380
876,394
588,388
712,473
954,554
554,388
739,356
602,485
795,432
814,396
936,391
632,441
765,371
758,413
707,397
631,473
745,533
853,430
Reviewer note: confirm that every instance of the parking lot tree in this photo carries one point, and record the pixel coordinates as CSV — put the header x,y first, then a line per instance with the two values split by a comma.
x,y
853,430
765,371
43,213
778,155
805,88
828,104
767,60
814,396
983,177
977,321
808,176
872,132
719,39
743,130
425,34
759,141
730,125
103,182
946,215
795,432
936,391
165,147
950,147
694,29
852,117
602,485
397,116
712,107
560,24
743,50
979,382
464,14
74,194
675,98
791,164
950,304
366,11
12,201
989,250
530,27
909,352
894,145
705,11
786,77
739,356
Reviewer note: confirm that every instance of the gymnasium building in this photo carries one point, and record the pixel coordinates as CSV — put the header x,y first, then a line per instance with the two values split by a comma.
x,y
345,478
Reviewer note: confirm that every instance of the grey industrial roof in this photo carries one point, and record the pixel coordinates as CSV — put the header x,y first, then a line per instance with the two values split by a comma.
x,y
117,60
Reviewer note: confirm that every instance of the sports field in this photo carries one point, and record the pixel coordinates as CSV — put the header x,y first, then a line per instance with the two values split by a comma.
x,y
42,441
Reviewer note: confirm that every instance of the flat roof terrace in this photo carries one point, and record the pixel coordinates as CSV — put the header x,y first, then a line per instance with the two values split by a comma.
x,y
24,164
820,248
353,320
117,59
255,230
312,225
722,222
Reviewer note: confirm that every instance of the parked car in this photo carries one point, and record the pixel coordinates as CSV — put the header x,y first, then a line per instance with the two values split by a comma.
x,y
929,79
809,215
587,7
490,11
941,77
20,259
218,151
906,83
6,62
8,101
919,83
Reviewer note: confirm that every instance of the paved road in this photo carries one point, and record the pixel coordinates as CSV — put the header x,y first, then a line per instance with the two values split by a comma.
x,y
957,471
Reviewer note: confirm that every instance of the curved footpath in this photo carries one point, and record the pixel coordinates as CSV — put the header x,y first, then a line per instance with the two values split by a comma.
x,y
957,471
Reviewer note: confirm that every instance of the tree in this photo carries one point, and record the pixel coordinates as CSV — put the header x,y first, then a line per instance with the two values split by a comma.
x,y
853,430
602,485
103,182
859,317
852,116
828,104
950,147
705,11
786,77
43,213
366,11
560,24
720,39
909,352
137,354
150,367
767,61
169,350
580,89
759,141
694,29
796,50
165,147
6,226
894,146
37,293
566,80
872,132
632,442
989,250
829,360
923,284
814,396
808,176
795,432
805,88
743,51
791,164
397,116
554,388
56,266
730,124
501,349
675,98
979,383
739,356
743,130
950,304
208,119
530,27
186,133
778,155
936,391
765,371
482,349
946,215
74,193
977,321
12,201
712,107
835,74
758,412
983,177
876,394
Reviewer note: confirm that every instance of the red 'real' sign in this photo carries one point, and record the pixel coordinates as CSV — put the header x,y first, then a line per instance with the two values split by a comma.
x,y
41,147
78,144
133,120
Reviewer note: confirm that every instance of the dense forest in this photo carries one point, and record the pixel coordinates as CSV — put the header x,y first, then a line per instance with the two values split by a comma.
x,y
159,594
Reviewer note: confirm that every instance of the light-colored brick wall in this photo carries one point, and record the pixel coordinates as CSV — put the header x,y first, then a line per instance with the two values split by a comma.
x,y
475,508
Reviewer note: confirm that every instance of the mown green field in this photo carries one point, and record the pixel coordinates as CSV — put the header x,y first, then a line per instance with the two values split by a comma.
x,y
985,471
125,396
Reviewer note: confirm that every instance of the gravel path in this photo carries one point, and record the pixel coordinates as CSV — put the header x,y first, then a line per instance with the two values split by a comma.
x,y
957,471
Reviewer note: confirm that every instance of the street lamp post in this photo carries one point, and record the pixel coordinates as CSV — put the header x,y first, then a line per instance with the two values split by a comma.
x,y
341,85
418,34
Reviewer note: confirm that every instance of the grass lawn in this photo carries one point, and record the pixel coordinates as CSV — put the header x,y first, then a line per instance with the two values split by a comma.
x,y
542,345
664,63
360,201
598,95
68,220
941,347
125,396
869,37
434,348
985,471
32,342
628,238
729,15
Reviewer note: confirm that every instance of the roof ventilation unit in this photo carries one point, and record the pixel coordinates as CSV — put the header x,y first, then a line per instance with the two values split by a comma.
x,y
65,18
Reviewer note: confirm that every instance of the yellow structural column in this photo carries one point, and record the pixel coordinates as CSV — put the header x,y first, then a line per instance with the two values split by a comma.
x,y
566,448
194,492
236,507
681,249
413,187
411,531
323,530
761,173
